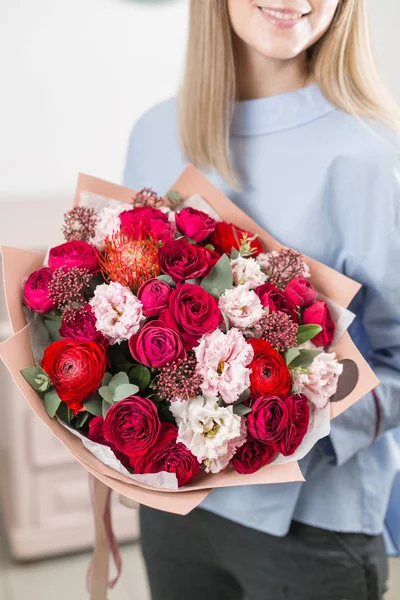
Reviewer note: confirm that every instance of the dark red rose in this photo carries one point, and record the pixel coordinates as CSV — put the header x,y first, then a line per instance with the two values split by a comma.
x,y
144,221
76,370
96,434
132,425
157,345
269,372
154,295
226,237
300,291
195,224
252,456
74,254
269,419
182,260
319,314
192,313
271,297
299,419
167,455
36,291
83,327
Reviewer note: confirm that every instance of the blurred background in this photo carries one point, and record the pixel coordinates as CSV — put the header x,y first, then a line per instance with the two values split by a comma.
x,y
75,75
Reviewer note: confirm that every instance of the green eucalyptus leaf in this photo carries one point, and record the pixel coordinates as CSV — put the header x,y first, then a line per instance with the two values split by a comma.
x,y
167,279
234,254
175,199
241,410
53,326
244,396
118,380
83,417
305,358
63,413
124,391
105,408
107,394
307,332
226,321
106,379
195,281
219,279
37,379
51,402
140,376
291,354
93,405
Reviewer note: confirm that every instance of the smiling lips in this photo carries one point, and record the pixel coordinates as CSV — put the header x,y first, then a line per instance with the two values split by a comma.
x,y
284,18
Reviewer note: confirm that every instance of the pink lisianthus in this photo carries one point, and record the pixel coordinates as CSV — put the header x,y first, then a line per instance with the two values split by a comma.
x,y
222,361
242,306
321,381
247,270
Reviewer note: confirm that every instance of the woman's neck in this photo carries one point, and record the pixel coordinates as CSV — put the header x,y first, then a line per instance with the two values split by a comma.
x,y
259,76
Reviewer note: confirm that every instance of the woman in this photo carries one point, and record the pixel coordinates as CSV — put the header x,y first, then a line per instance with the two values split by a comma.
x,y
310,153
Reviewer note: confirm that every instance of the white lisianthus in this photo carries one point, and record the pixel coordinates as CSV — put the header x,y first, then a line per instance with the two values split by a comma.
x,y
247,270
242,306
211,432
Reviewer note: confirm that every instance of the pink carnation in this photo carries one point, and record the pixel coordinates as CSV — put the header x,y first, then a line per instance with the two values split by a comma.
x,y
222,361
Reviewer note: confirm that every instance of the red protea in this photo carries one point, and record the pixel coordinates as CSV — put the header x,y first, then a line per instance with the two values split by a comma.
x,y
129,262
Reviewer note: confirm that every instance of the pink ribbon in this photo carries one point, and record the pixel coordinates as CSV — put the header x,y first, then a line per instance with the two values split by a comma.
x,y
97,580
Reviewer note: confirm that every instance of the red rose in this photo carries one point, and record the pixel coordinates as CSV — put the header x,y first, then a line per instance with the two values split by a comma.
x,y
132,425
76,370
226,236
146,221
167,455
268,421
182,260
195,224
96,434
269,372
319,314
157,345
252,456
83,327
300,291
192,313
299,419
74,254
154,295
271,297
36,291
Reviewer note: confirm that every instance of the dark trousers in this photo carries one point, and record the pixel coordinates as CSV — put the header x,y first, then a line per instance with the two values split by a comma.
x,y
205,557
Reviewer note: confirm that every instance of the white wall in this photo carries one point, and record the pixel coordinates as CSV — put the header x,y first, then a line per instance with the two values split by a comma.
x,y
75,74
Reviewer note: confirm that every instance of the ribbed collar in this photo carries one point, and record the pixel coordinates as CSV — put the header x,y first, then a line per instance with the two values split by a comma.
x,y
277,113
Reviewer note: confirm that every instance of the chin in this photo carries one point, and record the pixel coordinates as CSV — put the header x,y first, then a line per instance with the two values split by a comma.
x,y
278,51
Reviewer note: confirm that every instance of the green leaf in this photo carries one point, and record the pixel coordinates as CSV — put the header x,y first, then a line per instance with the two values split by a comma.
x,y
234,254
167,279
174,196
220,278
53,326
106,379
244,396
290,355
195,281
93,405
241,410
83,417
307,332
63,413
51,402
226,321
210,247
117,380
305,358
140,376
106,394
37,379
105,408
124,391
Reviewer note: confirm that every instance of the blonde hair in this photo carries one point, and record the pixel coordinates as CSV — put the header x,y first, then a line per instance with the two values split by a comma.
x,y
341,62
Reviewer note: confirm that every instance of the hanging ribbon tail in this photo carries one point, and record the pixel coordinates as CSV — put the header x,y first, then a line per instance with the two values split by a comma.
x,y
104,542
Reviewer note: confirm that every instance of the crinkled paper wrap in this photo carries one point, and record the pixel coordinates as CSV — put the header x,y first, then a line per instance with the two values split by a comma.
x,y
17,354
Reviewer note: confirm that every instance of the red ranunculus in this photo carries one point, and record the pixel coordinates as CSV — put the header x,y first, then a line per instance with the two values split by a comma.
x,y
132,425
157,345
271,297
226,236
83,327
268,421
192,313
36,291
319,314
269,372
143,221
252,456
154,295
76,370
74,254
300,291
167,455
299,419
182,260
195,224
96,434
